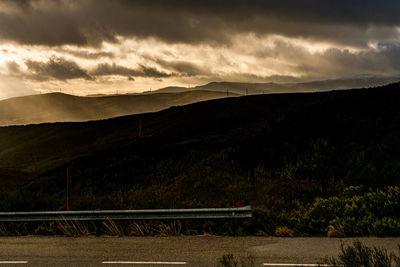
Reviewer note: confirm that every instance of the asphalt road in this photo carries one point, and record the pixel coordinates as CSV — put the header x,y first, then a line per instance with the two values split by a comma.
x,y
169,251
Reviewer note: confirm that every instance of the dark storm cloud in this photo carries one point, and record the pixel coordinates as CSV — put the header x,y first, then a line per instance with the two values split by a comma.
x,y
384,61
13,67
89,22
337,62
47,28
142,71
56,68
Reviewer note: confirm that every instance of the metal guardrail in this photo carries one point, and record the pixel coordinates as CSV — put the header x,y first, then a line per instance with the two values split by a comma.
x,y
101,215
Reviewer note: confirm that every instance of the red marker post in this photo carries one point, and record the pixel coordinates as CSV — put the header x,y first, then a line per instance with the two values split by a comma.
x,y
68,182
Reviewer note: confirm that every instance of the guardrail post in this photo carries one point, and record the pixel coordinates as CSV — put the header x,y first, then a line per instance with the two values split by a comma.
x,y
98,225
68,183
235,227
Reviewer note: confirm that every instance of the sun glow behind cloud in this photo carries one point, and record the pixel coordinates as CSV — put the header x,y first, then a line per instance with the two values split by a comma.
x,y
249,58
137,45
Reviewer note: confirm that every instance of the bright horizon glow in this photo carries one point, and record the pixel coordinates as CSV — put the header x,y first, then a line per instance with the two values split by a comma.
x,y
143,45
234,63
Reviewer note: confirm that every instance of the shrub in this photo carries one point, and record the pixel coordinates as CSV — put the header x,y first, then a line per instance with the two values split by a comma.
x,y
359,255
283,231
355,213
230,261
333,232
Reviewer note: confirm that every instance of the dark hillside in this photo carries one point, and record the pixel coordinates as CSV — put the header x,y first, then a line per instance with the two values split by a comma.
x,y
276,152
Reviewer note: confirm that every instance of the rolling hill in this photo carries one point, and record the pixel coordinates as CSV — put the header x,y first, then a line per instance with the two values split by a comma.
x,y
57,107
271,87
275,151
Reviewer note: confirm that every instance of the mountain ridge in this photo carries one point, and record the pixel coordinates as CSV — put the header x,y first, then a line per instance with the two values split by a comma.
x,y
363,81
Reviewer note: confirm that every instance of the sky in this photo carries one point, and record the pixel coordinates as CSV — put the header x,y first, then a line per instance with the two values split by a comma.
x,y
125,46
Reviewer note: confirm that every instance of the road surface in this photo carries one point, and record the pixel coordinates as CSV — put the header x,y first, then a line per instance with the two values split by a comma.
x,y
170,251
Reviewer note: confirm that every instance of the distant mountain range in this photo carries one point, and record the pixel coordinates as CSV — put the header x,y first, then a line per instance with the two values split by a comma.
x,y
57,107
362,81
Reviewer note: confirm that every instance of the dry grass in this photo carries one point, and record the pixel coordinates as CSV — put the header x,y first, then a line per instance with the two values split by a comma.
x,y
113,229
174,228
46,228
4,231
14,229
155,229
73,227
333,232
140,229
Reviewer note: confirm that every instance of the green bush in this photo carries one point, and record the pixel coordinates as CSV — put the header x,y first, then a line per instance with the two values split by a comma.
x,y
375,212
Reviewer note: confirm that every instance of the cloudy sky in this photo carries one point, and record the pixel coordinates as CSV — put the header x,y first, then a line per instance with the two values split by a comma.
x,y
107,46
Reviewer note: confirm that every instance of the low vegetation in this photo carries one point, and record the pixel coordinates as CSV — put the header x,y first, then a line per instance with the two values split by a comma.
x,y
360,255
74,228
357,212
229,260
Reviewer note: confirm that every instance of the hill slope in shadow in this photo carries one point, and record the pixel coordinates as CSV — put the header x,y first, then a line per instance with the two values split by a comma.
x,y
270,151
57,107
